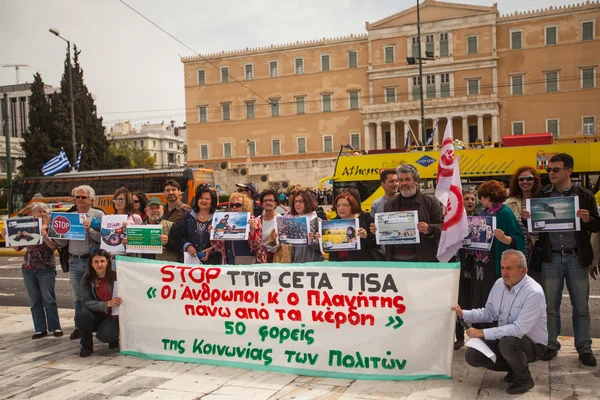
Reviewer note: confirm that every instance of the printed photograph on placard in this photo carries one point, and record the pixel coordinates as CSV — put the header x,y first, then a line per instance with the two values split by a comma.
x,y
24,231
481,233
292,230
398,227
144,239
553,214
68,226
113,233
339,235
230,226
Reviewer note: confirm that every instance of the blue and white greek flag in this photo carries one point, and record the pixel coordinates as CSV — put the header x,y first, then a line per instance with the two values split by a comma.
x,y
57,164
407,141
430,138
78,159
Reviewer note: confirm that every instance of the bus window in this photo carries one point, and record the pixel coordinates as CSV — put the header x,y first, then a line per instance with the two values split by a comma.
x,y
365,189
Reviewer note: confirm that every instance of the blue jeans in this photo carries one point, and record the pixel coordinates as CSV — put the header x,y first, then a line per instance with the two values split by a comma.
x,y
554,275
40,289
77,268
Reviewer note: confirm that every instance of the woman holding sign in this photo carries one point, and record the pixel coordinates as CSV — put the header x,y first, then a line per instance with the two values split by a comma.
x,y
195,226
97,301
303,204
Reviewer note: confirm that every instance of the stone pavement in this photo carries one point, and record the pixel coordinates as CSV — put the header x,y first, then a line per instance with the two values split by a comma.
x,y
50,368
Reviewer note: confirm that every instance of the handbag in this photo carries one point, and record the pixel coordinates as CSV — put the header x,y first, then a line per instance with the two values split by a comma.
x,y
534,263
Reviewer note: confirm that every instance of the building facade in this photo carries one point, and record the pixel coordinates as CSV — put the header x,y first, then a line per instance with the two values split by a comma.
x,y
162,141
18,121
489,75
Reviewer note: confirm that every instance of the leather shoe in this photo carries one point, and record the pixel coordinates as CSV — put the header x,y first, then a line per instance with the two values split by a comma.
x,y
86,351
458,344
509,378
113,345
58,333
75,334
39,335
518,388
549,355
588,359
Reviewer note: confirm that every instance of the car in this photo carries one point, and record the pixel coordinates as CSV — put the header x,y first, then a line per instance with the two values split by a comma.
x,y
54,207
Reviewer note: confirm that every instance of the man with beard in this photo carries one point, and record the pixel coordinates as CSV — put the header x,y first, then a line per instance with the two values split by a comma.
x,y
174,209
430,219
169,238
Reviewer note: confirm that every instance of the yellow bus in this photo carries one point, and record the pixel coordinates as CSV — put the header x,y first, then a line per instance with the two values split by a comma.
x,y
57,188
476,165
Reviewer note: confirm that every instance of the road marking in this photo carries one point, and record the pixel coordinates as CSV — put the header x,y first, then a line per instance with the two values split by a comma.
x,y
14,278
11,267
7,294
566,296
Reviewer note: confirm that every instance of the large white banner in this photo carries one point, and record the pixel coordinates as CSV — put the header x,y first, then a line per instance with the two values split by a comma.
x,y
376,320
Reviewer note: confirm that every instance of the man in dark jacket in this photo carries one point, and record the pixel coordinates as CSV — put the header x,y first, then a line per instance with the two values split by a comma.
x,y
567,256
430,214
249,190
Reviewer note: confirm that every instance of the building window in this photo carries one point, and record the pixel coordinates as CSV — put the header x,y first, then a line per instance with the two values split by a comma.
x,y
472,45
416,92
227,150
300,101
355,140
170,145
274,107
390,95
516,85
276,147
327,143
249,71
325,59
154,144
431,86
251,149
429,43
588,78
301,142
551,35
352,59
552,81
201,77
353,99
587,30
326,102
299,65
226,110
202,114
589,126
444,46
389,54
552,127
472,87
249,109
156,159
515,40
415,46
224,74
518,128
274,69
203,152
445,85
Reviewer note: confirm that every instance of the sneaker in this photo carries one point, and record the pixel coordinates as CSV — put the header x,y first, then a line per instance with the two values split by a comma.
x,y
113,345
75,334
58,333
509,378
518,388
588,359
549,355
458,344
86,351
39,335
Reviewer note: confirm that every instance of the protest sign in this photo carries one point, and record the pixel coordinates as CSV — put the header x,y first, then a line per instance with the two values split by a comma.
x,y
339,235
144,239
292,230
553,214
398,227
23,231
67,226
113,233
230,226
481,232
354,320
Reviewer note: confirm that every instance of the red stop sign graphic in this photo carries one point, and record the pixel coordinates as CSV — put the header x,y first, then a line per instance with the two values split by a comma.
x,y
61,225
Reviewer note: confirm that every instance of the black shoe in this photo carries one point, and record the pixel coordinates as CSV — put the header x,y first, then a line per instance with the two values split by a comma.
x,y
58,333
113,345
549,355
458,344
588,359
509,378
518,388
86,351
75,334
39,335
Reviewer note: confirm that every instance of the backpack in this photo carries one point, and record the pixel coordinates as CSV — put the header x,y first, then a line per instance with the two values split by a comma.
x,y
63,256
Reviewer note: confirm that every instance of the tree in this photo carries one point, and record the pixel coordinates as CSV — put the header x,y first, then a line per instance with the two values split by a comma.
x,y
137,157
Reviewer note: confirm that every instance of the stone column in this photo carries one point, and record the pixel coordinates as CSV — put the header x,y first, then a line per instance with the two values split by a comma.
x,y
393,143
495,128
465,129
367,139
420,133
379,137
480,134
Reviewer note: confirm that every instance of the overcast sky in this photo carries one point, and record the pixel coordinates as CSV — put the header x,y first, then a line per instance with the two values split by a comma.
x,y
133,68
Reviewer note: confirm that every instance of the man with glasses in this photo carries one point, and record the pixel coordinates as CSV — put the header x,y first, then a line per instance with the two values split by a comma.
x,y
174,209
79,250
249,190
566,256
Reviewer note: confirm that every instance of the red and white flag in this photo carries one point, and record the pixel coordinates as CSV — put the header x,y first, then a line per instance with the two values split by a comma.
x,y
445,165
455,227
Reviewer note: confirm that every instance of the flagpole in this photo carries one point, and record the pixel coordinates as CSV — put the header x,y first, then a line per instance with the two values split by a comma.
x,y
413,134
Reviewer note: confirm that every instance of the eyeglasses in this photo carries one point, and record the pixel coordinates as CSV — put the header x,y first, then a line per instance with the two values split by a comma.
x,y
242,190
268,201
236,205
298,201
556,170
80,197
343,205
529,178
118,200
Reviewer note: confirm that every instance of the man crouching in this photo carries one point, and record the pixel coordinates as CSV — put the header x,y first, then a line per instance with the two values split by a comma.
x,y
517,303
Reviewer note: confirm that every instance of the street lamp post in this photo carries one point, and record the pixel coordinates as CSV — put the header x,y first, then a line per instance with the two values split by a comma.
x,y
74,138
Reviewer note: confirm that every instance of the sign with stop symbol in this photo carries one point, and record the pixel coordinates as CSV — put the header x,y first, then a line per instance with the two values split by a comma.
x,y
67,226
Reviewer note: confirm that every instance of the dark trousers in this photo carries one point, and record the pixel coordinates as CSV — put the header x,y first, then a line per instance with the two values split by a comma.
x,y
106,326
513,355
